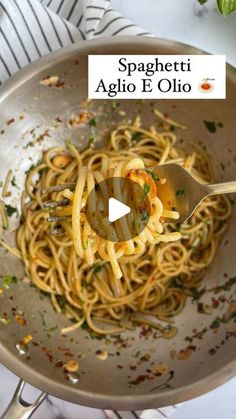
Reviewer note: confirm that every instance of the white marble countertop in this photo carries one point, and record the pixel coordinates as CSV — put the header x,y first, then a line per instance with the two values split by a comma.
x,y
203,27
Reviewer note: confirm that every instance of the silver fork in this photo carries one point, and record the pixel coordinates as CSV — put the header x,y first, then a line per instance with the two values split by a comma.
x,y
177,189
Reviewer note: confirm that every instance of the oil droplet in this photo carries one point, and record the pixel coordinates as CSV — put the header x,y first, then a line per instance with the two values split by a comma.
x,y
74,378
21,349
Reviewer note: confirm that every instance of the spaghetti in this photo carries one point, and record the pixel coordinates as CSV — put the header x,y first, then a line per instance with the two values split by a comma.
x,y
101,283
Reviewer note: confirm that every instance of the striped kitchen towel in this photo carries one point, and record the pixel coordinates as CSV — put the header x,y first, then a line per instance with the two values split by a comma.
x,y
30,29
163,412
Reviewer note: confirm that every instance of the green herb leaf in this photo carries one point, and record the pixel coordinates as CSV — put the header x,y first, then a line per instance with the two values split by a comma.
x,y
84,283
93,122
196,293
10,210
61,301
97,267
114,105
211,126
136,136
216,323
226,6
154,175
144,216
202,1
91,139
30,168
146,188
13,182
85,325
9,280
179,192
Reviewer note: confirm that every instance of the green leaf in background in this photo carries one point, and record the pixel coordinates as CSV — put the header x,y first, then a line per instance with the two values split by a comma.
x,y
226,6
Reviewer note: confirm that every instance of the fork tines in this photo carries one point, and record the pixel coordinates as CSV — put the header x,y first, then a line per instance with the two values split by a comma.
x,y
55,204
58,188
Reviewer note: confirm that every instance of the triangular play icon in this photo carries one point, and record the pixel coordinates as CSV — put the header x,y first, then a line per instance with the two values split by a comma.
x,y
116,210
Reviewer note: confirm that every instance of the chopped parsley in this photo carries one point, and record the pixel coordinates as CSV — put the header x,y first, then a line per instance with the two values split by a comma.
x,y
91,139
153,175
114,105
227,285
93,122
85,325
46,328
144,216
179,192
139,101
216,323
61,301
146,188
9,280
10,210
13,182
196,293
211,126
84,283
97,267
136,136
1,183
30,168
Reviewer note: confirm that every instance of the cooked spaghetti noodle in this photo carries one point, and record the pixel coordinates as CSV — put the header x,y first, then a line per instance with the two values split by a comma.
x,y
98,282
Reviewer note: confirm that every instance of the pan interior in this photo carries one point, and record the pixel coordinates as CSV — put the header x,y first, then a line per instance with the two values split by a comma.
x,y
28,112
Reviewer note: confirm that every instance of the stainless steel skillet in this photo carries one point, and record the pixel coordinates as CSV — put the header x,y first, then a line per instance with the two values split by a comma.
x,y
27,110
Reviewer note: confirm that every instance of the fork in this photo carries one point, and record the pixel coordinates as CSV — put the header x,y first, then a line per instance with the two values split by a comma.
x,y
177,190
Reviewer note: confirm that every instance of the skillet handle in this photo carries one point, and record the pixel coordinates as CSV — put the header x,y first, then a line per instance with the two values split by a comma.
x,y
20,409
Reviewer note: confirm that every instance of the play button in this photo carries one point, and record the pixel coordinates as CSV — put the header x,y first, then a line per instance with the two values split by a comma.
x,y
118,209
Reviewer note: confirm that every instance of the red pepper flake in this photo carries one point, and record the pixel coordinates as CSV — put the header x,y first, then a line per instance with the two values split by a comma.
x,y
230,334
192,347
140,379
20,320
59,364
215,302
212,351
10,121
120,367
69,354
145,332
222,298
133,367
48,353
59,119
